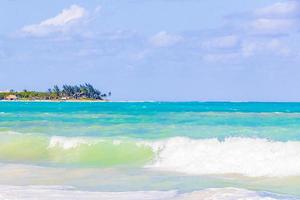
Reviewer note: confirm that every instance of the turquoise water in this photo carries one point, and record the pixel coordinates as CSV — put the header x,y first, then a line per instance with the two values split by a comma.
x,y
278,121
188,148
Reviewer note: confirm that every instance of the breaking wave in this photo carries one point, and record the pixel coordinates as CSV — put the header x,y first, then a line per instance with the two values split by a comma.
x,y
245,156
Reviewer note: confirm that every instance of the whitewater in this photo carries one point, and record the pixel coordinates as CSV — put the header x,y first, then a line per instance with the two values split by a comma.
x,y
149,150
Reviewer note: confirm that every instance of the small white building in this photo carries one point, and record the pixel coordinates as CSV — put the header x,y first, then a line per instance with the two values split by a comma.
x,y
11,97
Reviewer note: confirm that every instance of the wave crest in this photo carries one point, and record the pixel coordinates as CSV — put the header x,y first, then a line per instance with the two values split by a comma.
x,y
246,156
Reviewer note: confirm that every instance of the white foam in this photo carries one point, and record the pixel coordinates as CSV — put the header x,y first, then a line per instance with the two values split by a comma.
x,y
69,193
74,142
228,194
69,143
245,156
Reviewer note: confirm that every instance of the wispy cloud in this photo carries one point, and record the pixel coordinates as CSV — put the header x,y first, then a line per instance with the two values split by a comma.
x,y
280,9
164,39
272,26
248,49
222,42
278,18
254,35
62,22
261,34
274,46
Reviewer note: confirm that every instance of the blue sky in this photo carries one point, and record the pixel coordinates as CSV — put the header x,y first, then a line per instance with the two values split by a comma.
x,y
173,50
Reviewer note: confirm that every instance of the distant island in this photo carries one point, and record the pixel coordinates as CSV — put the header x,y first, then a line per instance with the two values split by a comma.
x,y
82,92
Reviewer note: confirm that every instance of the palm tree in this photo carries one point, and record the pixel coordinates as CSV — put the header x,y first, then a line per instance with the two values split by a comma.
x,y
56,90
84,90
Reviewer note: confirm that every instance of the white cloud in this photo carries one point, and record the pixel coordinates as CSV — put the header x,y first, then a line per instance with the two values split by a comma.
x,y
164,39
250,48
278,18
274,46
280,9
276,23
223,42
221,49
272,26
60,23
272,22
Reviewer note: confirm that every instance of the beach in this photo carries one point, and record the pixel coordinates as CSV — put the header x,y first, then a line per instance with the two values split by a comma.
x,y
149,150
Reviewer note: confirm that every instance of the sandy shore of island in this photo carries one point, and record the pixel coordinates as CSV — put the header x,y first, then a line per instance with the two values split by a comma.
x,y
55,101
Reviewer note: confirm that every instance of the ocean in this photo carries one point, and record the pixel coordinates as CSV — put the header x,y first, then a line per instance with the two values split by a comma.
x,y
149,150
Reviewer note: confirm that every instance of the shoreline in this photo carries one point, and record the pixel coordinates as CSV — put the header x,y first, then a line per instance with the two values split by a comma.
x,y
148,101
55,101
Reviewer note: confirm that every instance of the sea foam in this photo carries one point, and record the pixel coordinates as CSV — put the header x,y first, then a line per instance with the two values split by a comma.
x,y
245,156
69,193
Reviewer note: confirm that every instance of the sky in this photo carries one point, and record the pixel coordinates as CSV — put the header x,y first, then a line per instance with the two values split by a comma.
x,y
158,50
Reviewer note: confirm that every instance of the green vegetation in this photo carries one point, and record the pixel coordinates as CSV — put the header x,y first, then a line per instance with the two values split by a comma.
x,y
2,95
67,92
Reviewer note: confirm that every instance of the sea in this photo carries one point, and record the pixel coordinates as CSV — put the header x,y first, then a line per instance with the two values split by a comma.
x,y
149,151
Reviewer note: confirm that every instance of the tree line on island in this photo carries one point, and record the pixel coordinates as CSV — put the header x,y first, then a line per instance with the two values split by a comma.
x,y
67,92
